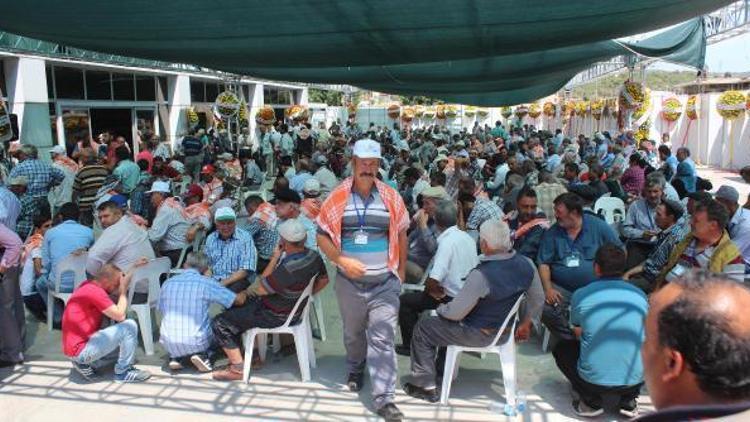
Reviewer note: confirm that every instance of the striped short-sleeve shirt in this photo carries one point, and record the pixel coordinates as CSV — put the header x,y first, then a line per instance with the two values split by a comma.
x,y
372,221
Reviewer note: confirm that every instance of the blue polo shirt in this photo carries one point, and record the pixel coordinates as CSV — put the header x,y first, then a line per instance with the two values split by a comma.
x,y
611,314
556,246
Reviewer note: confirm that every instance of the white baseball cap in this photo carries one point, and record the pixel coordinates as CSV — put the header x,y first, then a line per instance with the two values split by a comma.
x,y
225,214
160,186
366,148
58,149
292,230
312,186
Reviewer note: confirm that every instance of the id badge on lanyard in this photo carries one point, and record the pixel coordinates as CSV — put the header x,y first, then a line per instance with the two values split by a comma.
x,y
360,236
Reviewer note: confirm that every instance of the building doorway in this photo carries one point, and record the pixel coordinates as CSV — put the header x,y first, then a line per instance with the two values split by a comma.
x,y
117,121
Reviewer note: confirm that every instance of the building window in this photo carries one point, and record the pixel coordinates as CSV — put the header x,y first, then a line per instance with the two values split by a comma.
x,y
212,91
50,82
98,85
164,87
145,88
69,82
76,125
123,87
197,91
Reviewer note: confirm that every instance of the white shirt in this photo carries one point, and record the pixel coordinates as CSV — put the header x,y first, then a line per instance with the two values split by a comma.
x,y
121,244
739,232
456,255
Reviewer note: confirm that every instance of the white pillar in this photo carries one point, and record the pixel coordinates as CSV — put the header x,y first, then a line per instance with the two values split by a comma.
x,y
178,103
303,96
254,103
27,96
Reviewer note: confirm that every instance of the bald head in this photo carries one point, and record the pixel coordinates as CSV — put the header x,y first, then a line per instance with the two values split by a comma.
x,y
697,346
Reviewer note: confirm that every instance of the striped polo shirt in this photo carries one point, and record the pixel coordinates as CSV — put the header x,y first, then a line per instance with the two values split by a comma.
x,y
374,222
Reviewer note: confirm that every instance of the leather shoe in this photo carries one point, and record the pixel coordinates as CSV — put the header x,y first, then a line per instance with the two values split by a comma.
x,y
431,396
355,381
390,413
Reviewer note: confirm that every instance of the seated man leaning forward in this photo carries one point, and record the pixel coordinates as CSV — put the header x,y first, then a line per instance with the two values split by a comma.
x,y
82,339
607,316
231,252
272,297
184,302
475,315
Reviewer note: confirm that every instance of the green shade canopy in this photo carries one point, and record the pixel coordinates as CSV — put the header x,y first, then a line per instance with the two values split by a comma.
x,y
483,52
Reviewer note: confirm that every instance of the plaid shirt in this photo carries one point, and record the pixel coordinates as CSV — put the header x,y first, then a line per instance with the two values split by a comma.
x,y
230,255
262,227
483,210
184,302
30,207
41,176
664,244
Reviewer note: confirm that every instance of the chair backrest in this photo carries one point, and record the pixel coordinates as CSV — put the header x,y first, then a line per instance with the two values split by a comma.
x,y
200,236
512,314
75,264
305,295
611,208
149,273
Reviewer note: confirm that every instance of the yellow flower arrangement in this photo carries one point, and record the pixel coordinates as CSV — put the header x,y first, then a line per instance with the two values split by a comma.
x,y
521,111
265,115
671,109
535,111
691,108
470,111
394,111
597,108
408,114
297,112
731,104
549,109
506,111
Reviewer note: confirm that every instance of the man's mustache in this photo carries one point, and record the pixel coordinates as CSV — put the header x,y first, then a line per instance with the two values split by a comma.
x,y
366,175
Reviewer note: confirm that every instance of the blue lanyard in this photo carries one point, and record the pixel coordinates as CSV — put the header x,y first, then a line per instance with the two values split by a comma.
x,y
360,218
572,242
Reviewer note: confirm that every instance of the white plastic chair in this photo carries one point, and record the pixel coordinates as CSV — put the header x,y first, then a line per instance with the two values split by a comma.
x,y
301,331
200,236
506,352
75,264
611,208
317,308
149,273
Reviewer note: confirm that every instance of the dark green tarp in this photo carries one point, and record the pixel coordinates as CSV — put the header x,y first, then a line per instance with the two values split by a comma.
x,y
484,52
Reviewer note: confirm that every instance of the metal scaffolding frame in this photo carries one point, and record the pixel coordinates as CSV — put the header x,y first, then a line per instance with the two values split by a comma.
x,y
730,21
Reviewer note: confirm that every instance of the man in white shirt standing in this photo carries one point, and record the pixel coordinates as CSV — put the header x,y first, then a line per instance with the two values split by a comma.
x,y
739,220
456,255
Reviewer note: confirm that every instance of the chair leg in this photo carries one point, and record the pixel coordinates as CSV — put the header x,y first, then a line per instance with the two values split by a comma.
x,y
451,356
310,346
276,343
50,310
508,365
147,334
545,339
319,318
300,343
249,341
262,345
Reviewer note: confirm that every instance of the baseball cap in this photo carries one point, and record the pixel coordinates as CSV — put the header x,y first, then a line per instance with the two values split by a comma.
x,y
58,149
177,165
225,214
728,193
287,195
462,154
120,200
208,169
160,186
194,190
292,230
435,192
366,148
312,186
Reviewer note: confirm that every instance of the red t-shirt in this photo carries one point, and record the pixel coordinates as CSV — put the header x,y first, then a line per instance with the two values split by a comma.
x,y
83,316
145,155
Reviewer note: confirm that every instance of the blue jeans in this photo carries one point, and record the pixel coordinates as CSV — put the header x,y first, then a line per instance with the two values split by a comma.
x,y
123,335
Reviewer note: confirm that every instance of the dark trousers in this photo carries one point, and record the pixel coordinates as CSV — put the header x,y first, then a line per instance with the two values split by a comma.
x,y
566,355
12,317
241,285
637,253
230,324
412,305
173,255
261,265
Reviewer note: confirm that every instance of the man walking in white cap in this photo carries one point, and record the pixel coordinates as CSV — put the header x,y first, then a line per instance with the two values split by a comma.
x,y
362,229
168,230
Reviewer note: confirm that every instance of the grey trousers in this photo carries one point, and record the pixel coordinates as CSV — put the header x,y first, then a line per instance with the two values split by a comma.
x,y
12,318
414,272
369,313
432,333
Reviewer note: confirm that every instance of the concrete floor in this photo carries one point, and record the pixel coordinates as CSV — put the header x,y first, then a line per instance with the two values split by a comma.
x,y
45,389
